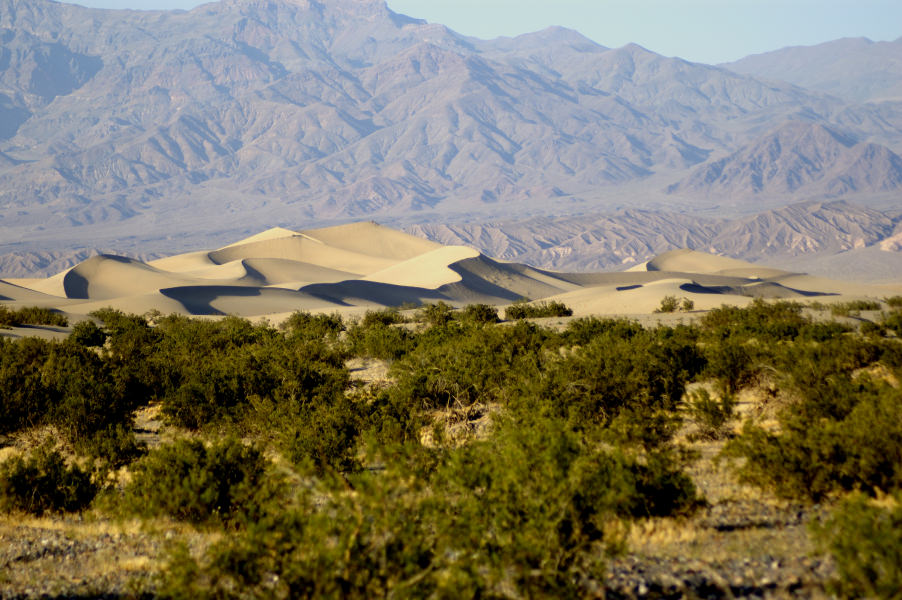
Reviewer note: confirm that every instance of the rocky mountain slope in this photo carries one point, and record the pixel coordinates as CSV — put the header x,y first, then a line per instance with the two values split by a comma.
x,y
615,241
137,130
798,159
855,69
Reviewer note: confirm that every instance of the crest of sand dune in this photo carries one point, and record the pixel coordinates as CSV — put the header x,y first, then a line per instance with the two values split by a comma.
x,y
371,239
351,268
692,261
12,293
428,270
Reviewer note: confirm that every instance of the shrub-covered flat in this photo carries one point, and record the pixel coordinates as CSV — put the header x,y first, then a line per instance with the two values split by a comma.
x,y
753,452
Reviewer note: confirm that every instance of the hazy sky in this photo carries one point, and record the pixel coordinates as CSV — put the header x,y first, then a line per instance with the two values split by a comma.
x,y
708,31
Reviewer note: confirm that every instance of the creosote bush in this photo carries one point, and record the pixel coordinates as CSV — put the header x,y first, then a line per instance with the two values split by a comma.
x,y
669,304
545,442
865,540
31,315
41,482
530,511
845,435
189,481
527,310
711,413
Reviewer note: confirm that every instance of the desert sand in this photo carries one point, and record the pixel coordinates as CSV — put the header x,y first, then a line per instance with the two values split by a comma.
x,y
351,268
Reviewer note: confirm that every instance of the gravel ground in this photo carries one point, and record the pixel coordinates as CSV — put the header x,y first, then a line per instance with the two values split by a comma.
x,y
62,558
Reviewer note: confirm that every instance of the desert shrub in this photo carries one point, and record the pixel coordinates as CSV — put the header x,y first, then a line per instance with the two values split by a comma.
x,y
189,481
87,399
32,315
733,362
525,513
687,305
766,321
325,435
315,326
845,436
392,418
642,374
459,365
375,337
893,322
63,384
853,307
580,332
114,446
87,333
25,396
711,414
865,540
824,331
41,482
480,314
894,301
525,310
216,371
871,329
435,314
386,316
130,352
669,304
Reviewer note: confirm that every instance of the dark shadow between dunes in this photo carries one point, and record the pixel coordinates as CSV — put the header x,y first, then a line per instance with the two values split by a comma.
x,y
759,290
385,294
197,299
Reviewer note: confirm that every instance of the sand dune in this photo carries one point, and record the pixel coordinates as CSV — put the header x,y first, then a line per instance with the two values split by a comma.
x,y
350,268
692,261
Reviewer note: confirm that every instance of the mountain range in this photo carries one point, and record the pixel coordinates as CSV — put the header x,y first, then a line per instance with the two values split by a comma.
x,y
138,131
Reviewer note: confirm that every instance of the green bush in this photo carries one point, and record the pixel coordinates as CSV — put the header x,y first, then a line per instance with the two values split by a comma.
x,y
580,332
313,326
375,338
186,480
114,446
853,307
765,321
845,436
457,366
669,304
894,301
435,314
711,415
31,315
524,513
865,541
642,374
325,435
42,483
480,314
25,395
893,322
216,371
386,316
732,362
87,333
525,310
87,398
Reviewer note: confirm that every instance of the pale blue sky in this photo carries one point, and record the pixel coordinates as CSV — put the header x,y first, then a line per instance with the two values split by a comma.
x,y
709,31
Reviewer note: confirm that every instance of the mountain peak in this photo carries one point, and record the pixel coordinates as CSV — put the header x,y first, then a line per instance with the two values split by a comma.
x,y
799,157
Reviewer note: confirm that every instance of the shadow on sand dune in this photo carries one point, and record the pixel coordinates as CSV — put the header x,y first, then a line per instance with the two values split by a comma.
x,y
756,290
385,294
